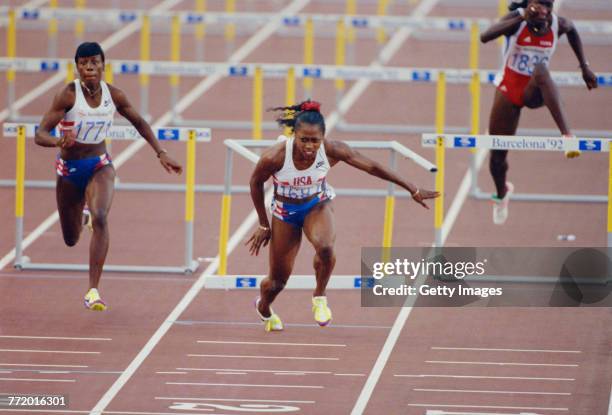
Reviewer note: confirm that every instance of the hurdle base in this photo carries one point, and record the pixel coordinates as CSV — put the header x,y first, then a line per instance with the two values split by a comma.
x,y
110,268
543,197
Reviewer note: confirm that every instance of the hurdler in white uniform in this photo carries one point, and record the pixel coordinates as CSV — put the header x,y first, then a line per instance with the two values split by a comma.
x,y
90,125
309,184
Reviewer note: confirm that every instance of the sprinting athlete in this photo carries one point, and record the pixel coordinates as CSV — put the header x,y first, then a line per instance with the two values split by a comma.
x,y
531,35
85,173
303,204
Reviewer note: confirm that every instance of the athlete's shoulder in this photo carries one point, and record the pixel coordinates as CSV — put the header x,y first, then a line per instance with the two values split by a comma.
x,y
274,156
565,25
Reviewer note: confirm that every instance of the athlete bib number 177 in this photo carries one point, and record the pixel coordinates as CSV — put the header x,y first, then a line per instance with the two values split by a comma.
x,y
524,63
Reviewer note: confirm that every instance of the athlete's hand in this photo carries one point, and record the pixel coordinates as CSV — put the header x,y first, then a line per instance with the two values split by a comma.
x,y
169,164
67,139
422,194
590,79
260,238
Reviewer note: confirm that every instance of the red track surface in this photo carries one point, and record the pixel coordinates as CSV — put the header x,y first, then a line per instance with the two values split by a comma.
x,y
147,228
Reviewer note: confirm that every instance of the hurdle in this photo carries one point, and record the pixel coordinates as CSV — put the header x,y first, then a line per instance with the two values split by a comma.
x,y
191,136
518,143
243,148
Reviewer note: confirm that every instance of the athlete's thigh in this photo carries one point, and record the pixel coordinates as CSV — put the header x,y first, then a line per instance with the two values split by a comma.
x,y
532,95
70,202
284,246
100,190
504,115
319,225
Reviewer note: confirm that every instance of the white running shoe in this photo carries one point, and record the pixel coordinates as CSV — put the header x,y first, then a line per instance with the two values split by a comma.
x,y
322,313
500,206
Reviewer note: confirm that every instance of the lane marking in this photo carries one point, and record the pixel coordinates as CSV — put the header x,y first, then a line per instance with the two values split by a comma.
x,y
38,380
230,373
230,400
41,365
506,350
421,10
491,392
258,324
171,373
500,363
487,407
256,371
349,374
243,385
272,343
234,356
486,377
47,351
57,338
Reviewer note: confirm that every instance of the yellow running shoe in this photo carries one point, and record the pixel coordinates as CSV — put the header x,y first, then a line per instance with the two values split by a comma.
x,y
93,301
322,313
272,323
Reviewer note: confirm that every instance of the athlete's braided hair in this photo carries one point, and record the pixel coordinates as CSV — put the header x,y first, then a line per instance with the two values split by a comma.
x,y
308,112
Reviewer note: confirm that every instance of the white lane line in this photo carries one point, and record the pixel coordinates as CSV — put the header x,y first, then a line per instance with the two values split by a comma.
x,y
272,343
401,35
446,362
294,7
234,356
256,371
488,377
57,338
349,374
246,385
491,392
230,373
47,351
44,87
171,373
37,380
165,398
480,349
41,365
537,408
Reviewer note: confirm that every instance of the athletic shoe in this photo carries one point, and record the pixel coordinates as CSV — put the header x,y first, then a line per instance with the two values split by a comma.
x,y
322,313
93,301
571,154
500,206
272,323
87,219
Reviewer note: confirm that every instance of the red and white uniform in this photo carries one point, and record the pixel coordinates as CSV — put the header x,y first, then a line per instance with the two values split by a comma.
x,y
301,184
524,50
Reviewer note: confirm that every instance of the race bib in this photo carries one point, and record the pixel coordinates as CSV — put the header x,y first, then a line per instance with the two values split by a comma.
x,y
525,59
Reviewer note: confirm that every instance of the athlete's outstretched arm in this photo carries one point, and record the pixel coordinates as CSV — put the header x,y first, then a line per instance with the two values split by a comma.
x,y
506,26
62,102
342,152
566,26
269,163
144,129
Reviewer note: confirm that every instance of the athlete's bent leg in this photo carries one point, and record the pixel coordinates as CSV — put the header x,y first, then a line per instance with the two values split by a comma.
x,y
320,230
542,90
70,202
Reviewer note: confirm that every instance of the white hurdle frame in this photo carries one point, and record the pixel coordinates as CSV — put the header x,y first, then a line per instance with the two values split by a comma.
x,y
528,143
190,135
